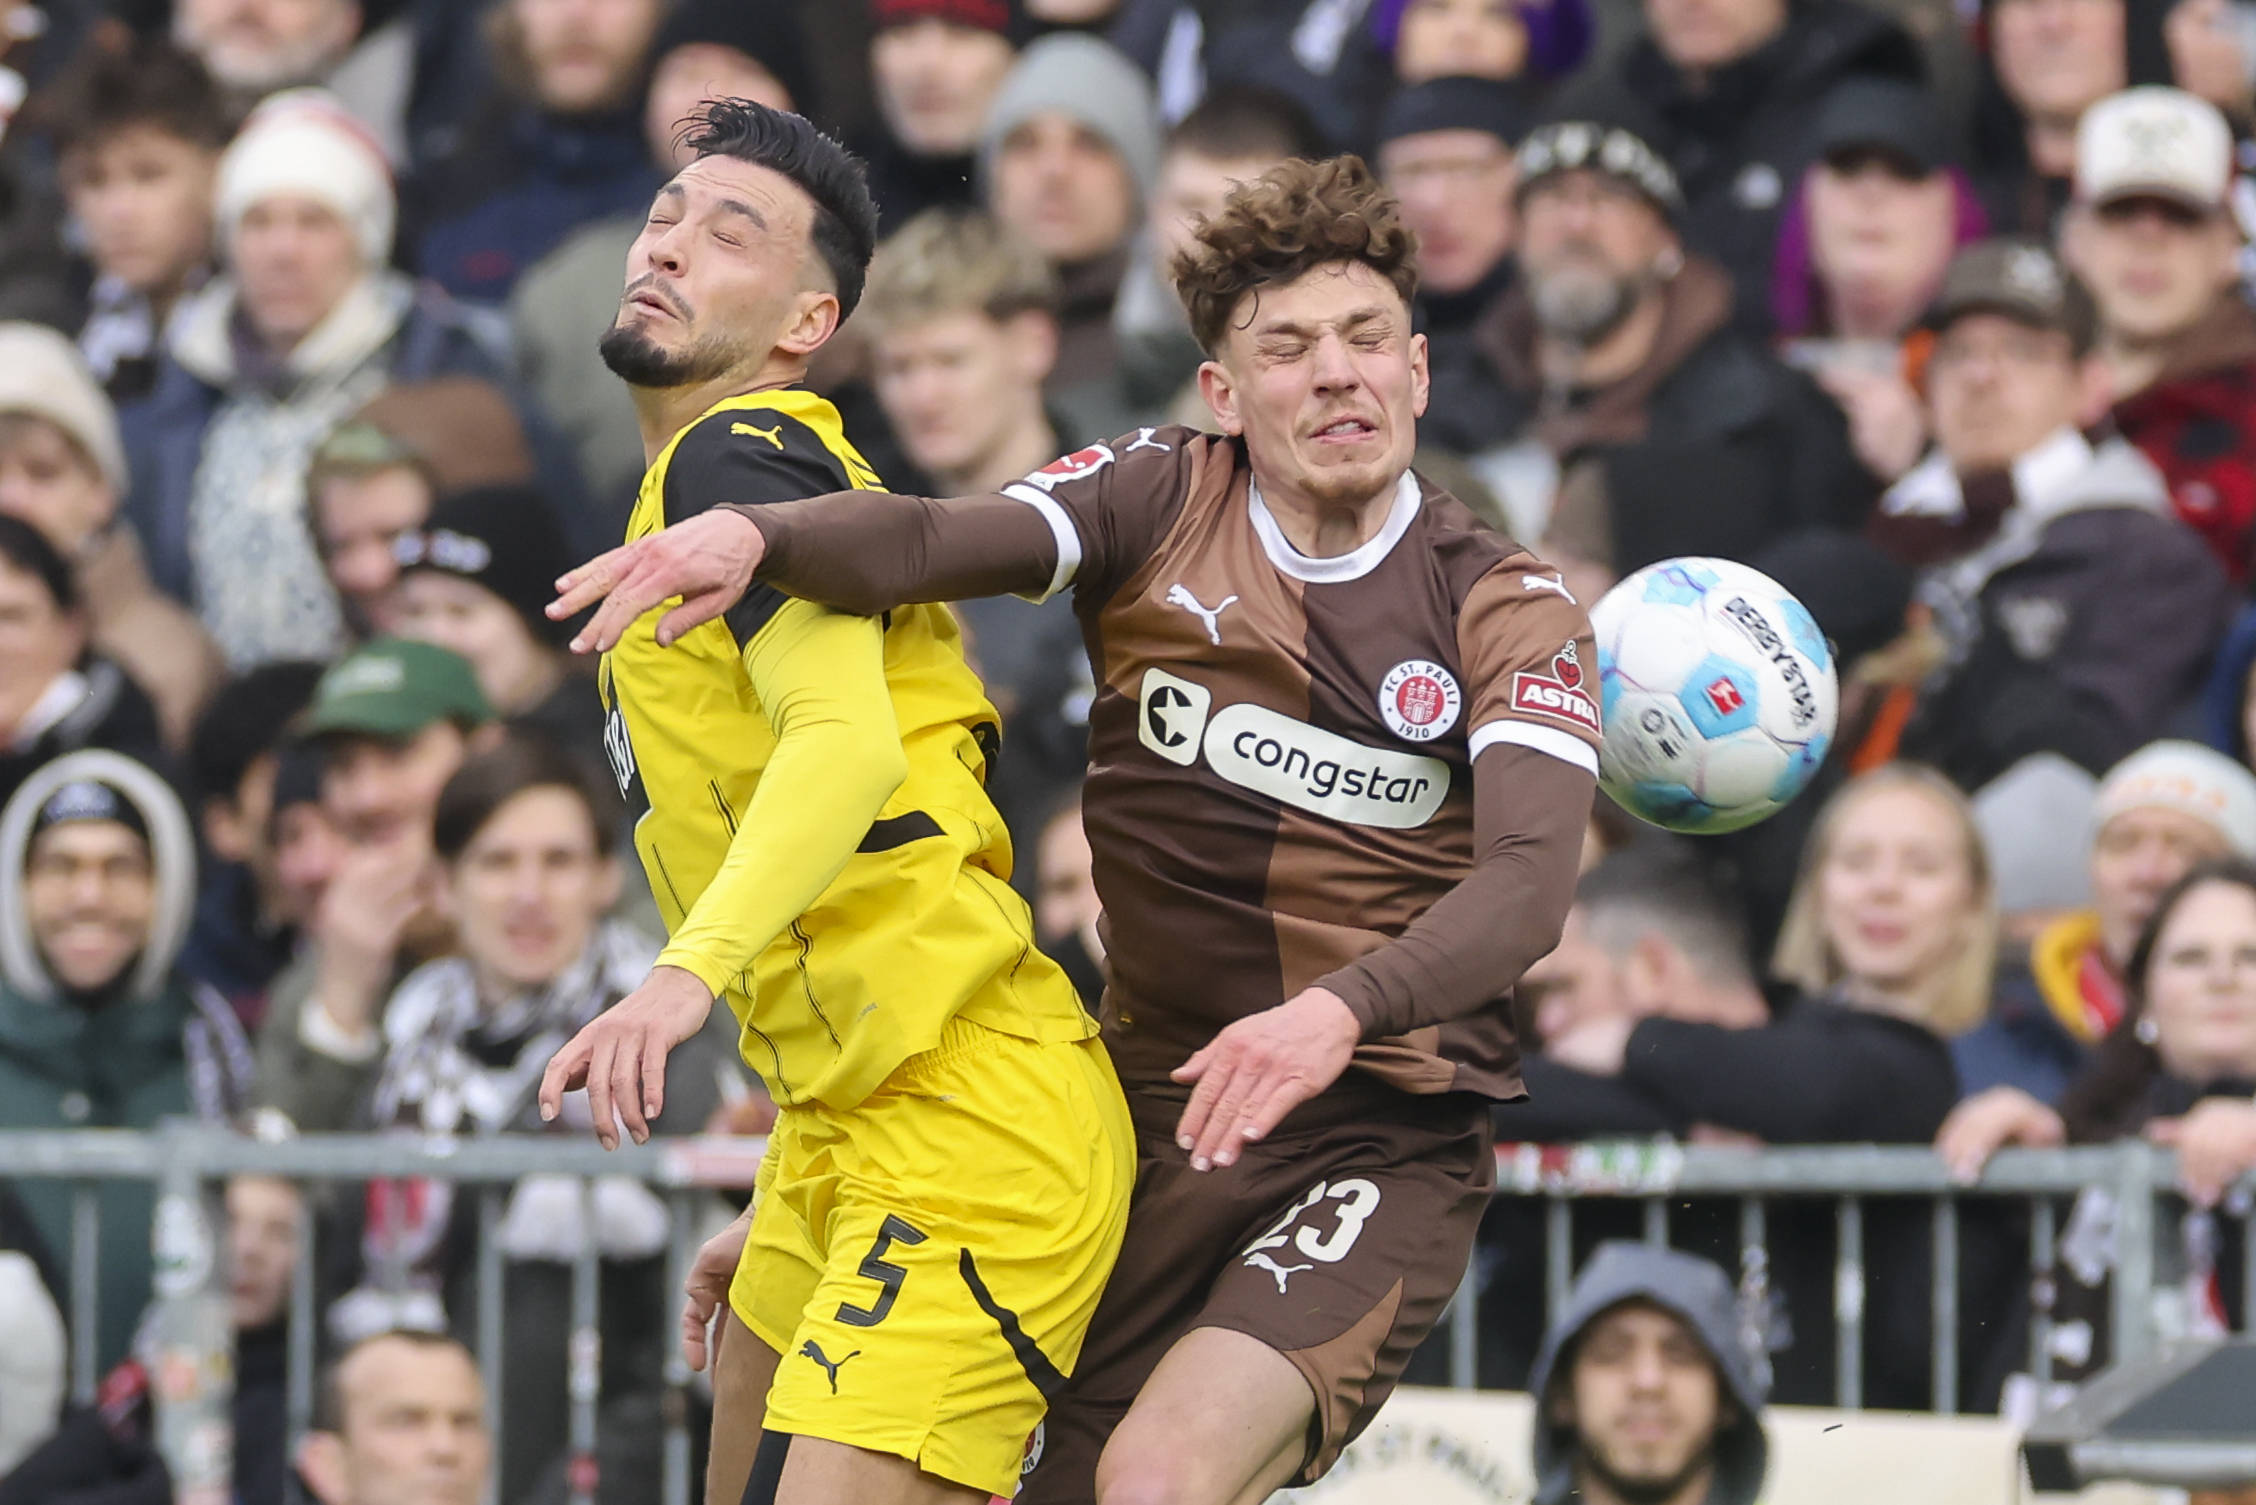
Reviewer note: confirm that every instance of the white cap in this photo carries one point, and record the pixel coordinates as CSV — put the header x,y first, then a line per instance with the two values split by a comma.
x,y
2154,140
43,374
2189,778
303,143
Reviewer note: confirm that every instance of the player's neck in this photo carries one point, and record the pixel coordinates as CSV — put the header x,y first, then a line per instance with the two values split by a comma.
x,y
665,411
1325,529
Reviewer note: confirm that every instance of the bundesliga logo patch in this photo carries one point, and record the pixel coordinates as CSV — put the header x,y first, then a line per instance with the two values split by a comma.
x,y
1419,699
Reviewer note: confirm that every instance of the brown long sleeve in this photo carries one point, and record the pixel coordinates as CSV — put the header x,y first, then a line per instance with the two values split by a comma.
x,y
869,551
1530,810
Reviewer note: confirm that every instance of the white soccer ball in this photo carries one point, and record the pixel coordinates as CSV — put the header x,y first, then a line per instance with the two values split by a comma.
x,y
1718,694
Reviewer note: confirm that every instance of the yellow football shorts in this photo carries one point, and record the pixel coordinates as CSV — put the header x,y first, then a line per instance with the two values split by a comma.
x,y
927,1261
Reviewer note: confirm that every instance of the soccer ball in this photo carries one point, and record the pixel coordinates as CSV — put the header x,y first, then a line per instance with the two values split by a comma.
x,y
1718,695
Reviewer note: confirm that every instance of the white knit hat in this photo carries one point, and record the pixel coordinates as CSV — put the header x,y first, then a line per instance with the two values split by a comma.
x,y
303,142
2187,777
42,373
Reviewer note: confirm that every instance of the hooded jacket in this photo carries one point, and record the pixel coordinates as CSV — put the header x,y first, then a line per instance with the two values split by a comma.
x,y
1741,138
154,1047
1697,1294
227,428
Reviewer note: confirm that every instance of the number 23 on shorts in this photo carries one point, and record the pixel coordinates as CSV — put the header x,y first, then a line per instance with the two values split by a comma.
x,y
889,1276
1356,1200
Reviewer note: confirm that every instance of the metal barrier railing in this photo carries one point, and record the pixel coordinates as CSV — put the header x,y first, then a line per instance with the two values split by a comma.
x,y
190,1322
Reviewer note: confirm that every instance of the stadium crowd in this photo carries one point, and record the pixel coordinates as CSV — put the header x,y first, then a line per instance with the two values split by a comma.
x,y
1941,316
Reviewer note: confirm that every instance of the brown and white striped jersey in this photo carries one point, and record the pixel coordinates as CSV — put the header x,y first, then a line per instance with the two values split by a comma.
x,y
1281,747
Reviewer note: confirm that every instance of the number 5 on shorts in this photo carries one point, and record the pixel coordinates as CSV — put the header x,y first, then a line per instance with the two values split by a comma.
x,y
875,1267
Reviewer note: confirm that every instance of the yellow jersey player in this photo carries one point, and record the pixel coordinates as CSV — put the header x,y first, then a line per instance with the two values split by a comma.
x,y
946,1187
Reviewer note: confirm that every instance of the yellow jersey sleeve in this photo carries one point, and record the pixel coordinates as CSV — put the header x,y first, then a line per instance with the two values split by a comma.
x,y
819,677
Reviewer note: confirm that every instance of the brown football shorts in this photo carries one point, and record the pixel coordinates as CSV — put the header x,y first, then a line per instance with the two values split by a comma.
x,y
1338,1246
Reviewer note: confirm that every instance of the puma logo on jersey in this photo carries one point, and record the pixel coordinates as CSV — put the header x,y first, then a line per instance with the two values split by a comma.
x,y
1144,440
1553,583
1281,1273
809,1350
1179,595
774,436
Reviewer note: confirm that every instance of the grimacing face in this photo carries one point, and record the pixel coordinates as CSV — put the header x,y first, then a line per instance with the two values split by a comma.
x,y
723,274
1325,381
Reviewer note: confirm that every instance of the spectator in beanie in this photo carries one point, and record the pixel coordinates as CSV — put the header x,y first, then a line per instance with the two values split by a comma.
x,y
1068,156
62,470
98,1028
246,928
1445,149
2162,811
259,48
308,324
474,579
138,133
57,695
561,145
937,66
1862,251
1237,133
1627,394
2077,613
721,49
1495,39
1729,92
2153,235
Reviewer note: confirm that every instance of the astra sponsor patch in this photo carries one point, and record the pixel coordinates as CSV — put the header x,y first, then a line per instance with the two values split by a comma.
x,y
1541,695
1322,772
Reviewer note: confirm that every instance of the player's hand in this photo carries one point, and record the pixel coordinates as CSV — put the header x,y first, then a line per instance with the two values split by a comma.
x,y
621,1056
2216,1144
710,1275
1989,1121
707,561
1261,1068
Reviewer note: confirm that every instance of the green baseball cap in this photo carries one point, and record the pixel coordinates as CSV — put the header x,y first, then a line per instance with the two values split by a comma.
x,y
394,688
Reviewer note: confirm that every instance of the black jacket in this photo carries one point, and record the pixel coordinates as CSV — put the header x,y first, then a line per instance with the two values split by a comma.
x,y
1713,447
1741,143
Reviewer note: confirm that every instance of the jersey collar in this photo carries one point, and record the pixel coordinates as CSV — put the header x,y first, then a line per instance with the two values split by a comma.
x,y
1353,565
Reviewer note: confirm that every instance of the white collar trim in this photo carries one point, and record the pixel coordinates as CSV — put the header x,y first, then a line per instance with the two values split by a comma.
x,y
1354,564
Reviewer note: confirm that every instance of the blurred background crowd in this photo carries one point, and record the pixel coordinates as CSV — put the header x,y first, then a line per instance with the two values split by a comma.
x,y
1940,314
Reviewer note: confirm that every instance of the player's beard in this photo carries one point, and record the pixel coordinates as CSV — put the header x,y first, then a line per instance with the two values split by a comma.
x,y
640,361
1641,1491
1581,300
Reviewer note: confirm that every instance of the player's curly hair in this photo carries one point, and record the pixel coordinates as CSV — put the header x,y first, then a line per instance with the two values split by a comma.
x,y
1295,217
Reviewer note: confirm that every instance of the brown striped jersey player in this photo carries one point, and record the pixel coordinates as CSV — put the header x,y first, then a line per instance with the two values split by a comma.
x,y
1354,777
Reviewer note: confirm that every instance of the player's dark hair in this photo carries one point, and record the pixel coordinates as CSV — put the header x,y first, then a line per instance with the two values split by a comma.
x,y
248,717
845,228
1294,218
1236,121
492,779
150,82
25,548
329,1394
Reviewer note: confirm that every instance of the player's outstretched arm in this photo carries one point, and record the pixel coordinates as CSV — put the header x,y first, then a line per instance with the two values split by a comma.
x,y
864,552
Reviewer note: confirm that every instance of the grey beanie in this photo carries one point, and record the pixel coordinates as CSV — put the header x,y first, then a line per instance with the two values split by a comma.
x,y
1092,81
